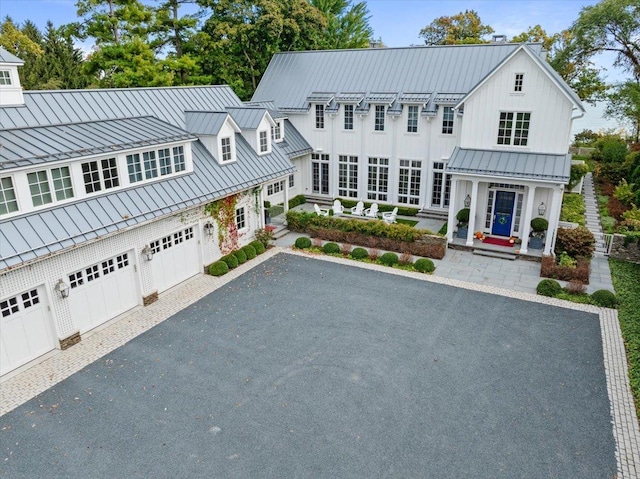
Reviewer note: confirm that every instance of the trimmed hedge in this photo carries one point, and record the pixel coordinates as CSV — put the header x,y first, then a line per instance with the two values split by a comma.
x,y
218,268
389,259
605,298
359,253
424,265
297,201
258,246
402,210
549,287
241,255
250,251
303,243
231,260
463,215
331,248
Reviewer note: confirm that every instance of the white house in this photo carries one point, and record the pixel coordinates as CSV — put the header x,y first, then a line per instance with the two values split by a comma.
x,y
434,128
103,197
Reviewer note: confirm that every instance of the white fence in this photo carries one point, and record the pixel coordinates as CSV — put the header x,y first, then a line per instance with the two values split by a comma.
x,y
603,243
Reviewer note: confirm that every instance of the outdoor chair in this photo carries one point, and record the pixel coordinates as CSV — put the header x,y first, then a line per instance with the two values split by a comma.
x,y
372,212
320,211
358,210
389,217
338,209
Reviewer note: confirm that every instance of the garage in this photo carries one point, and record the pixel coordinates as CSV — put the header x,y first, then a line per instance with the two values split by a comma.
x,y
175,259
102,291
26,329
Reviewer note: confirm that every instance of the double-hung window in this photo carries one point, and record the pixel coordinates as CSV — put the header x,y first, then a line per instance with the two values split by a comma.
x,y
164,158
39,188
225,145
47,186
517,86
8,200
101,174
447,120
150,165
513,128
179,163
62,183
241,221
412,119
134,167
379,118
264,142
5,77
320,117
348,117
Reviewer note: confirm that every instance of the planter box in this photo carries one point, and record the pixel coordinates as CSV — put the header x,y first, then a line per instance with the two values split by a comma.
x,y
535,242
462,232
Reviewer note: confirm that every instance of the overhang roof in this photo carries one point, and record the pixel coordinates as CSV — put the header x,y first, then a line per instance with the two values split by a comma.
x,y
510,164
247,117
6,57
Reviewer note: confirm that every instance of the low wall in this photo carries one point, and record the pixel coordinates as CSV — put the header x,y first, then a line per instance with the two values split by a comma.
x,y
629,252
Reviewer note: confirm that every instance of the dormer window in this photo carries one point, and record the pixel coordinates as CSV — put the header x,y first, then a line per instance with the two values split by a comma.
x,y
103,174
348,117
5,77
447,120
45,184
517,86
225,145
276,131
320,117
379,118
412,119
264,142
8,200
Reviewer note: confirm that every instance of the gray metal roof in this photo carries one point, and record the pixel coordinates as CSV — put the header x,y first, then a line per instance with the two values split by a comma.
x,y
510,164
33,145
448,97
380,97
6,57
270,107
320,97
294,145
292,76
75,106
350,97
38,234
414,97
247,118
205,122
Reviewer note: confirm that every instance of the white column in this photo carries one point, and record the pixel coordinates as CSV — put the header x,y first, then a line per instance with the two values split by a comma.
x,y
286,195
451,218
526,221
472,212
554,217
261,222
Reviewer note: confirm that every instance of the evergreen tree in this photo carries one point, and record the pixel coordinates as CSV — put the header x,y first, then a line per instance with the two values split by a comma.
x,y
347,24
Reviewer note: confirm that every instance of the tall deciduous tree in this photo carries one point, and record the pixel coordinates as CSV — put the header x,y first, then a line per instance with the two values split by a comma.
x,y
624,105
347,24
465,27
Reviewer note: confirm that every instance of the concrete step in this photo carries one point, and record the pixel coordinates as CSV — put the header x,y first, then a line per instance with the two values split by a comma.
x,y
433,214
494,254
280,232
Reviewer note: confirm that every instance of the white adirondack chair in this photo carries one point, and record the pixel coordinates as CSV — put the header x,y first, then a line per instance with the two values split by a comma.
x,y
390,217
372,212
338,209
358,210
320,211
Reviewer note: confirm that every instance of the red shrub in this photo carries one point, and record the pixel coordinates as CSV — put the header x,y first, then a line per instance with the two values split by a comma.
x,y
549,269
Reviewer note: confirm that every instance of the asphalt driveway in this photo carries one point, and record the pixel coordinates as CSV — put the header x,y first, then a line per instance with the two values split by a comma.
x,y
304,368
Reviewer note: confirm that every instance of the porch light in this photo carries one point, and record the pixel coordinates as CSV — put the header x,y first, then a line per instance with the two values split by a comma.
x,y
208,228
467,201
542,209
62,288
147,253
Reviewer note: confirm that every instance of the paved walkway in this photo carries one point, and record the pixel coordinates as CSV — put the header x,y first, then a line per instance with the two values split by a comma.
x,y
24,386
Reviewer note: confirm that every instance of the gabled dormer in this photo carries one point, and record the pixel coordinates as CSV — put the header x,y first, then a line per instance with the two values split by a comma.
x,y
255,124
10,89
217,132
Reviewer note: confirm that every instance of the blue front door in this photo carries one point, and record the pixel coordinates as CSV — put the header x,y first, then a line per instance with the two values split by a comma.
x,y
502,211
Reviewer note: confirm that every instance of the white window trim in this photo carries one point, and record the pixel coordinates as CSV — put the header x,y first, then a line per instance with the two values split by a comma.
x,y
279,127
267,134
16,194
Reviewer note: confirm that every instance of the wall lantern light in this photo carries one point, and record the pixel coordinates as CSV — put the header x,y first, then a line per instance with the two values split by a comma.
x,y
467,201
147,253
542,209
208,228
62,288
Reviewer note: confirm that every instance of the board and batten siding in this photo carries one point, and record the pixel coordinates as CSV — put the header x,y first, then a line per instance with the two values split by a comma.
x,y
551,110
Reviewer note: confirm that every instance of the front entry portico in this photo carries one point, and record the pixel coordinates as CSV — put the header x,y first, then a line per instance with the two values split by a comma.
x,y
503,213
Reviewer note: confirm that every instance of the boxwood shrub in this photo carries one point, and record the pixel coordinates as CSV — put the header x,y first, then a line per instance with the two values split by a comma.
x,y
303,243
250,251
359,253
258,246
604,298
389,259
241,255
548,287
218,268
230,260
331,248
578,242
424,265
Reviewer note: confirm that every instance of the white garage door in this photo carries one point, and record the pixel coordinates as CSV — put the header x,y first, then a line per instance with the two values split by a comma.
x,y
102,291
26,330
175,258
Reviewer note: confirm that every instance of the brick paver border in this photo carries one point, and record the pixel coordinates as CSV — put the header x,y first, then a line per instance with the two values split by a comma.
x,y
37,379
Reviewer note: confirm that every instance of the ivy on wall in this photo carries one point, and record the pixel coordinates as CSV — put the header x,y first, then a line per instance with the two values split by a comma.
x,y
223,212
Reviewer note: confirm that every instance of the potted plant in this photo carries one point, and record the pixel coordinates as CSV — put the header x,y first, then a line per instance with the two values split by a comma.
x,y
538,228
463,222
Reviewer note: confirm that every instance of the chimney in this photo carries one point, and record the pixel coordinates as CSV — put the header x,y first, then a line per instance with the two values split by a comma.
x,y
499,39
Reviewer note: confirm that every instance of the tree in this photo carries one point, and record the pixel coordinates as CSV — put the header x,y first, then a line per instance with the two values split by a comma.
x,y
611,26
465,27
624,105
347,24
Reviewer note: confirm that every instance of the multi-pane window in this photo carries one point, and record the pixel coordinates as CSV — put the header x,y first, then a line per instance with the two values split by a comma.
x,y
378,179
150,164
241,221
517,86
39,188
264,142
5,77
291,181
225,145
110,173
8,200
379,118
276,131
320,116
447,120
513,128
348,117
164,158
134,167
93,272
412,119
179,163
97,176
320,173
441,186
489,212
409,182
62,183
274,188
164,243
348,176
26,300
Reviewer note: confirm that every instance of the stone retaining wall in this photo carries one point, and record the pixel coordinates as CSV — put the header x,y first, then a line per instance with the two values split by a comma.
x,y
629,252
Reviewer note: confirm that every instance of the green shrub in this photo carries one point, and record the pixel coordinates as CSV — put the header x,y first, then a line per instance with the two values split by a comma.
x,y
267,204
424,265
231,260
359,253
566,261
297,200
331,248
578,242
402,210
264,236
303,243
463,215
573,208
605,298
241,255
443,231
578,170
539,224
624,192
218,268
389,259
250,251
258,246
549,287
